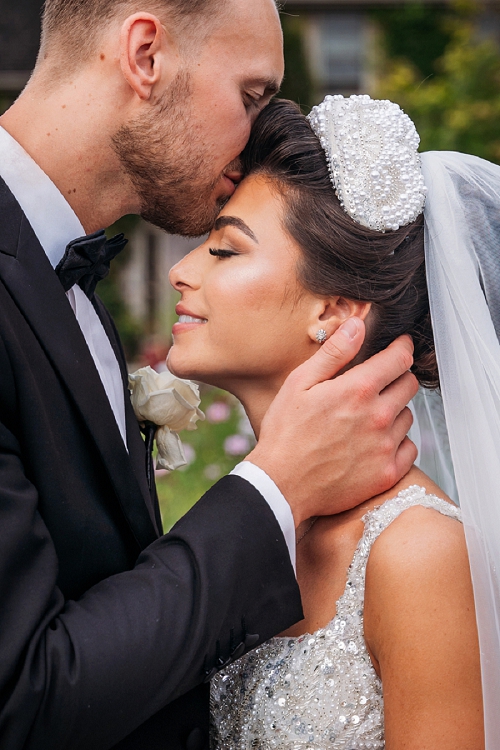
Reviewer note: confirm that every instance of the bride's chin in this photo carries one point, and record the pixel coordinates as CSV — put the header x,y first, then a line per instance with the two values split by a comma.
x,y
184,370
175,367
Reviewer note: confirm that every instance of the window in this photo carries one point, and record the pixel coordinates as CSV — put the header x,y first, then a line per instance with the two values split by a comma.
x,y
337,50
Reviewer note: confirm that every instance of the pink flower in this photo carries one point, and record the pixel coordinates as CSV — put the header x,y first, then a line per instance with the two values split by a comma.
x,y
212,472
189,453
218,412
237,445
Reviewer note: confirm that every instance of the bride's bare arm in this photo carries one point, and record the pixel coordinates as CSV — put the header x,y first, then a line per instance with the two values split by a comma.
x,y
420,627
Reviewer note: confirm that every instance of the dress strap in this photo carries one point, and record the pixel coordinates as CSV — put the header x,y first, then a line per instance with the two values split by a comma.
x,y
376,521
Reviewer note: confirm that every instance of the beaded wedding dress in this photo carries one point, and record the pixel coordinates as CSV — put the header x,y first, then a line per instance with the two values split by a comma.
x,y
318,691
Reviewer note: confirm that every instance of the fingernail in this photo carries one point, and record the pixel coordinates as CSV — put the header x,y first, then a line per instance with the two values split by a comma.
x,y
349,329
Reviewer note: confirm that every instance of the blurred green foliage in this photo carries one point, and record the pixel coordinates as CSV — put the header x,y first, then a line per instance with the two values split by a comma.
x,y
180,490
297,84
5,102
459,107
414,31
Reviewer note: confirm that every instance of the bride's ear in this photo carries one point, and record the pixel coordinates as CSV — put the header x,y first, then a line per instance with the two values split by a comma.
x,y
329,314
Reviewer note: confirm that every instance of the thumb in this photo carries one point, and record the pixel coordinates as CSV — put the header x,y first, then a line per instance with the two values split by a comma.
x,y
336,353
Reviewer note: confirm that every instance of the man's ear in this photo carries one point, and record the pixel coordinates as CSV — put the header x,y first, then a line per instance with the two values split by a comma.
x,y
329,314
149,57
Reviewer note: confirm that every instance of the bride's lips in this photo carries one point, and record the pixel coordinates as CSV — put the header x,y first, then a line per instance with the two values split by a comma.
x,y
188,321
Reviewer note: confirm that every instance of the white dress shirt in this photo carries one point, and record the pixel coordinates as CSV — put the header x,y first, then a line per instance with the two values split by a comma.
x,y
55,225
274,498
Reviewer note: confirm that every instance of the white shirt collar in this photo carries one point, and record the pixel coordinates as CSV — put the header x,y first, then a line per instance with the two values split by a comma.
x,y
50,215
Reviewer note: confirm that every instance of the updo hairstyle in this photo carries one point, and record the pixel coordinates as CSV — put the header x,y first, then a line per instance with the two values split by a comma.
x,y
339,256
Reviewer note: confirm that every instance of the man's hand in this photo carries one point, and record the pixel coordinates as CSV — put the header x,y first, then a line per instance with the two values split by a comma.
x,y
331,444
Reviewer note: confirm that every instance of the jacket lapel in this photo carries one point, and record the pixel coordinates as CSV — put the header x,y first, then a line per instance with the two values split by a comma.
x,y
135,443
27,273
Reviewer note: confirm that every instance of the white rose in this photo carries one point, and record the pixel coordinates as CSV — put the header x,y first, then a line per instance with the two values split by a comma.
x,y
171,404
163,399
170,451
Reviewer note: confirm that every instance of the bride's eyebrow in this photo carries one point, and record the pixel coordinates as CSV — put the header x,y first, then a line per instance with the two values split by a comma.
x,y
234,221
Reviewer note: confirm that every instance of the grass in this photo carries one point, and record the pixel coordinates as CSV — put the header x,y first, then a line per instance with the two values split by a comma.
x,y
209,460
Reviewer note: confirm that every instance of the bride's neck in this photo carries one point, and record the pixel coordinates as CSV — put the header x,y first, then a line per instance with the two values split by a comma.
x,y
256,399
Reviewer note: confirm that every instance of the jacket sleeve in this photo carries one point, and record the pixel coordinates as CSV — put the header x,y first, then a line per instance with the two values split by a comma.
x,y
86,673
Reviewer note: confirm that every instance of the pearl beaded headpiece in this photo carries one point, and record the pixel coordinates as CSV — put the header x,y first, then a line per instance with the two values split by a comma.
x,y
371,148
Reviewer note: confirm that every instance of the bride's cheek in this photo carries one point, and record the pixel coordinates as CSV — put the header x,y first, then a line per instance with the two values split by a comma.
x,y
253,286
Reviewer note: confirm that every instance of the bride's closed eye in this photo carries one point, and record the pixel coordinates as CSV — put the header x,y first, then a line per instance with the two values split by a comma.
x,y
219,253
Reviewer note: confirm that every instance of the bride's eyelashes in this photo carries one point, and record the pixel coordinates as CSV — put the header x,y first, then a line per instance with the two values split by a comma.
x,y
218,253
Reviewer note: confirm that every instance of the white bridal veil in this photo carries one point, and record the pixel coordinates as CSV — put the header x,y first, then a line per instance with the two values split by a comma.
x,y
371,148
462,246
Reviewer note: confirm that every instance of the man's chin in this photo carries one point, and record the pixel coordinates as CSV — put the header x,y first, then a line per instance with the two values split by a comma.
x,y
183,224
185,220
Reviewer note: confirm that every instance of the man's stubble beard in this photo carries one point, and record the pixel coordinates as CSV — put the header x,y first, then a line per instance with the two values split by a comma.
x,y
172,177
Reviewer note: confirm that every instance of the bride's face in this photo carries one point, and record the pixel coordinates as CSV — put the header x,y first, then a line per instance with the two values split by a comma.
x,y
253,319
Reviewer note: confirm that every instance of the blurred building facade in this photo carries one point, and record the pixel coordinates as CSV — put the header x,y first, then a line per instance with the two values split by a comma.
x,y
339,44
341,38
144,279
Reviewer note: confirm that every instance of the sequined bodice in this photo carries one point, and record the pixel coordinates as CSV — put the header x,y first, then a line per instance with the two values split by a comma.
x,y
318,691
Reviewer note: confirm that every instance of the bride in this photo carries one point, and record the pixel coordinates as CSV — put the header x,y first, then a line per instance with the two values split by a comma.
x,y
388,652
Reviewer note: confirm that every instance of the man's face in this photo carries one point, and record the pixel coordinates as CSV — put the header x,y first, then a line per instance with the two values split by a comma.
x,y
182,153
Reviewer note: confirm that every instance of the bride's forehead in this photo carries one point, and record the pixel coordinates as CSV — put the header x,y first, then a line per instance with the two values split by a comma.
x,y
257,209
254,195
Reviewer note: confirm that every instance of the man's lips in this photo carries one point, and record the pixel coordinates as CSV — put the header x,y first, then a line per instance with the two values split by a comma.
x,y
229,186
232,179
235,176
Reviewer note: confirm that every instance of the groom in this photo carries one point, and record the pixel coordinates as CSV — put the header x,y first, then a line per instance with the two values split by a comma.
x,y
109,631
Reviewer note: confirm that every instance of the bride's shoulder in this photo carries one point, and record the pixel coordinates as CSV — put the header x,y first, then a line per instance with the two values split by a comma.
x,y
419,537
421,530
420,626
417,576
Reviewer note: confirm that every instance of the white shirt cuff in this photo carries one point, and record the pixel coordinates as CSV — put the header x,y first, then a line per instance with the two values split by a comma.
x,y
272,495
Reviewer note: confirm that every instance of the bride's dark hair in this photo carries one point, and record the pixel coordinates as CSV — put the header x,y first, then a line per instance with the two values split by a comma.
x,y
341,257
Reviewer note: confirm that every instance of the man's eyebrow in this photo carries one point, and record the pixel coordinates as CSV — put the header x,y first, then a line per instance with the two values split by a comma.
x,y
272,86
234,221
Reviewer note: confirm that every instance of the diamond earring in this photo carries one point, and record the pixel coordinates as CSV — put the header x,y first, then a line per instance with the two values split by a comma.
x,y
321,336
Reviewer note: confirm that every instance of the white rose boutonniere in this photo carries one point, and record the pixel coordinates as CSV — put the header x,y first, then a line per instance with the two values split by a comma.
x,y
165,405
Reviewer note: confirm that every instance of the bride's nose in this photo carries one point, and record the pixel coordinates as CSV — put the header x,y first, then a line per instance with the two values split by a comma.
x,y
186,273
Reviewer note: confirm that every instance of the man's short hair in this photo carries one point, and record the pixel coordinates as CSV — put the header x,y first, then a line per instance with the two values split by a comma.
x,y
73,25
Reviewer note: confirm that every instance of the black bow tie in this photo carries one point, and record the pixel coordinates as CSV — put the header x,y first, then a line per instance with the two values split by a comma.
x,y
86,260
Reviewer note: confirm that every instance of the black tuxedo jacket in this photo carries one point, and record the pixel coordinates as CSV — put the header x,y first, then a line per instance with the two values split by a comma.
x,y
108,631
